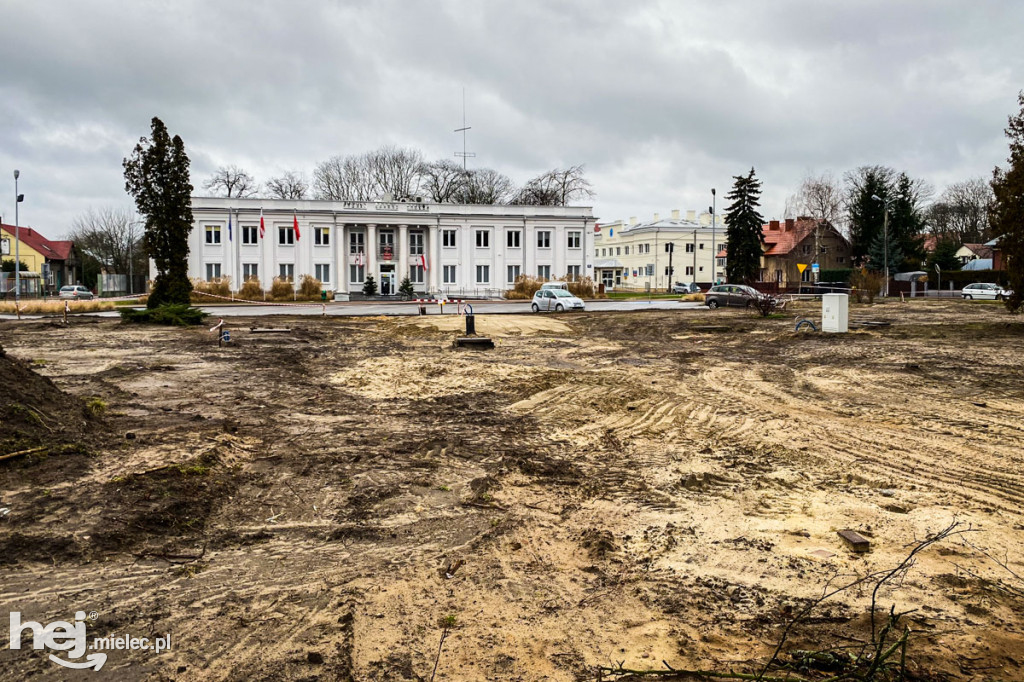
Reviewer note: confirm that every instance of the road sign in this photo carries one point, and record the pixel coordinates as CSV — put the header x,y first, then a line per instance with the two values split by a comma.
x,y
801,267
814,268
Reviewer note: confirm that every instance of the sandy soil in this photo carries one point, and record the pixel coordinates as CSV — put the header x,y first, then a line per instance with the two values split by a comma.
x,y
598,488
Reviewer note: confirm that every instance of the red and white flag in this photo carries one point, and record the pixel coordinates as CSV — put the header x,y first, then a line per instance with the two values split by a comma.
x,y
359,258
423,261
295,224
262,228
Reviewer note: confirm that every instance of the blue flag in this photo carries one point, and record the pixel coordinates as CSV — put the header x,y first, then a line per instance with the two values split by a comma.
x,y
229,227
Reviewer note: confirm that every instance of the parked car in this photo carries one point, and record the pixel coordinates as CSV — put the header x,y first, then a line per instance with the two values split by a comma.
x,y
732,294
680,288
987,290
555,300
75,292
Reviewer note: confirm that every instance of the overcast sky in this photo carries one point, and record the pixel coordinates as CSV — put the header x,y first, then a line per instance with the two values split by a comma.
x,y
660,100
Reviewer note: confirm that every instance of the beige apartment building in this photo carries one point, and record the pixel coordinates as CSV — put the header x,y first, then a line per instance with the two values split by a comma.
x,y
656,254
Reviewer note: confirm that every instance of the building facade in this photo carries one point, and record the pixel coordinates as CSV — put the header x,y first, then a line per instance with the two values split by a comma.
x,y
658,253
51,263
453,249
794,246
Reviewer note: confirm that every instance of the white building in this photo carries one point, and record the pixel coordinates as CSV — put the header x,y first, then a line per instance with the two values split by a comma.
x,y
451,248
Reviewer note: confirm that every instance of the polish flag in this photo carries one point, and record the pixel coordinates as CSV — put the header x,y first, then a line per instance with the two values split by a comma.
x,y
423,262
295,224
262,228
359,258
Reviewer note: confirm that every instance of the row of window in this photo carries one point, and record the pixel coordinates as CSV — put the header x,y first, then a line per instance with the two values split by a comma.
x,y
322,237
644,248
357,273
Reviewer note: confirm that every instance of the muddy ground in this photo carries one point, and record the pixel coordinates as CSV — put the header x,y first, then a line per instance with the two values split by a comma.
x,y
600,488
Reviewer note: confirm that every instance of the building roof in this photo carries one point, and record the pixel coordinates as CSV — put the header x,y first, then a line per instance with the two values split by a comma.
x,y
781,237
979,250
51,250
978,264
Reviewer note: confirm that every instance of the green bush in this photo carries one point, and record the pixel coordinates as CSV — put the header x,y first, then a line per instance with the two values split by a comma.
x,y
406,288
369,286
178,315
835,275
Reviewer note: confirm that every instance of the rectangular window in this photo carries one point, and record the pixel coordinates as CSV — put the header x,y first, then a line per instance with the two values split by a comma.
x,y
483,273
618,250
805,276
249,234
573,272
212,271
544,271
356,274
448,239
213,234
415,243
806,249
416,274
721,263
544,239
449,274
575,239
483,239
285,235
512,239
386,242
840,259
650,271
287,271
250,271
626,250
355,243
701,246
689,248
322,237
689,271
323,272
513,273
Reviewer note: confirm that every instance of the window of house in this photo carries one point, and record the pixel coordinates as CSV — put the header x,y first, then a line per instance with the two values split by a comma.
x,y
449,274
483,240
576,240
689,248
415,243
356,273
806,249
212,271
513,273
840,259
285,235
543,239
448,239
249,234
483,273
701,246
618,250
416,274
356,243
573,272
512,238
286,271
322,271
649,270
625,250
778,276
721,263
386,243
544,271
805,276
213,234
250,271
322,237
689,271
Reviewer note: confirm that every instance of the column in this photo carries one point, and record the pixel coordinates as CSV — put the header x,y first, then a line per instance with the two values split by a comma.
x,y
371,252
341,261
433,258
403,253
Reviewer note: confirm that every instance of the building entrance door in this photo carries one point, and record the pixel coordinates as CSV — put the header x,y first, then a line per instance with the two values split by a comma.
x,y
387,280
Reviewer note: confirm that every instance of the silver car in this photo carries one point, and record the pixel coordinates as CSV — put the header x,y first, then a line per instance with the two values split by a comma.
x,y
555,300
75,292
987,290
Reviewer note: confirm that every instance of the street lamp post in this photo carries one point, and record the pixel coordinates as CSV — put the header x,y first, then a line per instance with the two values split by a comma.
x,y
18,198
885,240
714,254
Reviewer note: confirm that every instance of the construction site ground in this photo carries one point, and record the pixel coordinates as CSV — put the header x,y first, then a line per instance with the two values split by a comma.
x,y
330,501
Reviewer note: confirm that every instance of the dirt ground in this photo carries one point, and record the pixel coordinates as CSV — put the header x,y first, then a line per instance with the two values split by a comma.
x,y
328,503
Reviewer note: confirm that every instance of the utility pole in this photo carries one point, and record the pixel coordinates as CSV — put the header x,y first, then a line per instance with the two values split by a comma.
x,y
671,246
714,254
18,198
694,256
464,154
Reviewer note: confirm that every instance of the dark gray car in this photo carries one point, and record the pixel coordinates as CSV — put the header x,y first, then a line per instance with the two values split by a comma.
x,y
731,294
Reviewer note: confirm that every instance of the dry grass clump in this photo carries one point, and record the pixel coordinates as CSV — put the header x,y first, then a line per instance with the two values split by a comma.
x,y
524,288
693,298
56,307
251,290
282,290
583,288
866,284
218,287
310,287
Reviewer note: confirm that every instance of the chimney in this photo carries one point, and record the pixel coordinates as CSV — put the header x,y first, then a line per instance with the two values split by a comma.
x,y
773,225
632,220
691,215
657,217
675,214
789,224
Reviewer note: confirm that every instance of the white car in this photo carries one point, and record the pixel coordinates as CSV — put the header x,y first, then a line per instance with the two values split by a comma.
x,y
985,290
556,300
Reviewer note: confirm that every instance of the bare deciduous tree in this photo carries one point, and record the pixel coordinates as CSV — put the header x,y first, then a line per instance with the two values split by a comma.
x,y
556,187
443,180
112,237
396,171
291,185
962,212
386,171
485,186
232,181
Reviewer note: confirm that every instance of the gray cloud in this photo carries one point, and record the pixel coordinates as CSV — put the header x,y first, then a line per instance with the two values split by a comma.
x,y
661,100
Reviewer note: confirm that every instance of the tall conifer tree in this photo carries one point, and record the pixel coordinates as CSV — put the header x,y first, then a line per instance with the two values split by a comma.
x,y
743,230
1008,211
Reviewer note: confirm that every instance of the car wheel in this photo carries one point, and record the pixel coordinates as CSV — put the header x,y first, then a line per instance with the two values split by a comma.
x,y
749,305
967,297
559,308
999,297
712,304
536,308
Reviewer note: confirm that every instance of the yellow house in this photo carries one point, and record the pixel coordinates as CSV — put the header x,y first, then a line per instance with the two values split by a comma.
x,y
55,262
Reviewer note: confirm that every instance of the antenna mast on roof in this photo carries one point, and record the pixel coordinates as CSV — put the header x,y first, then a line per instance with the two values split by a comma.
x,y
464,154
